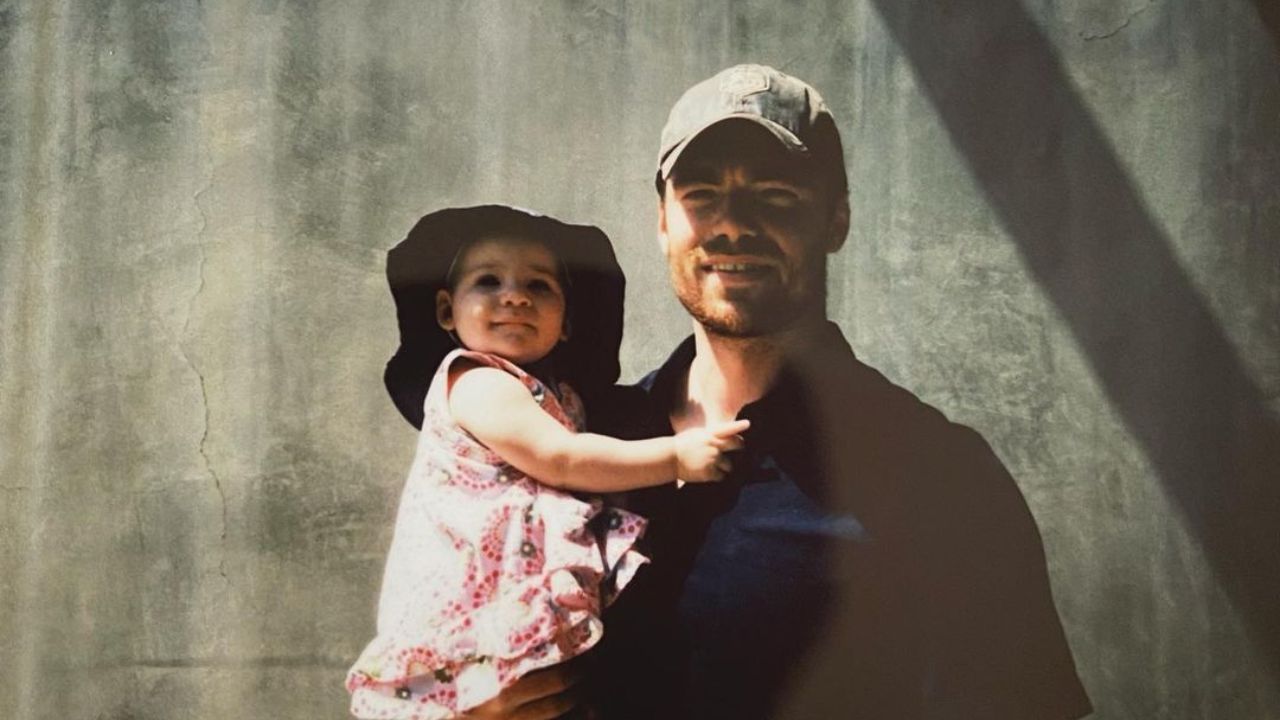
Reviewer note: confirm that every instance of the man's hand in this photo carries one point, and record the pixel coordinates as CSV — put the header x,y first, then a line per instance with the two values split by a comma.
x,y
700,452
540,695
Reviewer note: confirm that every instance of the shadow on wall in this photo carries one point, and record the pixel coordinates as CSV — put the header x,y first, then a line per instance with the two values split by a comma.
x,y
1084,233
1269,14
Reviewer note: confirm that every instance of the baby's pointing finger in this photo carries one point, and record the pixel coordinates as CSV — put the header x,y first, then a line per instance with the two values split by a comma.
x,y
730,429
733,442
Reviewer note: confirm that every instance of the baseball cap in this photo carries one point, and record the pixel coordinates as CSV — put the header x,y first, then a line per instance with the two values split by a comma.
x,y
786,106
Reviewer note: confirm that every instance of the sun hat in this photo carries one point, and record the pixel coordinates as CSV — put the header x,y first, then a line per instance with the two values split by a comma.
x,y
419,266
786,106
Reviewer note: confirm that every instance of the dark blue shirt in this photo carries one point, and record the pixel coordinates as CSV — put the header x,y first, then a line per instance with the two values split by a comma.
x,y
866,558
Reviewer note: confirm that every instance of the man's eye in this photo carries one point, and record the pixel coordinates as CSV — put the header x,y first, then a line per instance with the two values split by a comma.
x,y
698,196
779,196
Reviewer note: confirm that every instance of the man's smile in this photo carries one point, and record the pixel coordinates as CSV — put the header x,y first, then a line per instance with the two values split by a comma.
x,y
734,271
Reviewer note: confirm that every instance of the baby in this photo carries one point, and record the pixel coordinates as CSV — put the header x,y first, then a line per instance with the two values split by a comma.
x,y
497,568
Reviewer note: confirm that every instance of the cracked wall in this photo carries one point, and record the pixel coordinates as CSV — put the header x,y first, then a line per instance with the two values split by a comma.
x,y
198,465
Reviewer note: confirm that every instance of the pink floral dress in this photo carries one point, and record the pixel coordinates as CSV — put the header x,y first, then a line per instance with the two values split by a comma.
x,y
491,574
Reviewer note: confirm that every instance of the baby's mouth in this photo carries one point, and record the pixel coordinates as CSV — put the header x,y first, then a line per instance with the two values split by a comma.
x,y
511,324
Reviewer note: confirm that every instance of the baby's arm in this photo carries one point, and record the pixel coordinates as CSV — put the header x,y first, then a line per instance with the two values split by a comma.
x,y
497,409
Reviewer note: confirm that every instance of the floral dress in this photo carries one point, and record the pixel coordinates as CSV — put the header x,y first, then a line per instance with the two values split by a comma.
x,y
491,574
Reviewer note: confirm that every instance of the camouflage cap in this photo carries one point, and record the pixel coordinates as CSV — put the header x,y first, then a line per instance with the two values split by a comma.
x,y
786,106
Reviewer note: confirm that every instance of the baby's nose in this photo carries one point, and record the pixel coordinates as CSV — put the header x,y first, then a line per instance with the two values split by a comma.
x,y
515,296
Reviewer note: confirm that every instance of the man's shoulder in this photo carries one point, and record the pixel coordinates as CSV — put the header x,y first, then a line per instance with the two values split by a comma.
x,y
900,446
640,409
865,400
623,411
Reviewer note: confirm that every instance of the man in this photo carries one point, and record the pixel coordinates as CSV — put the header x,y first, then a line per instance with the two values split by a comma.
x,y
865,558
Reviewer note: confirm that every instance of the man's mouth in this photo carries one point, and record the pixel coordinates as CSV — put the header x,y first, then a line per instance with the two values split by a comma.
x,y
744,270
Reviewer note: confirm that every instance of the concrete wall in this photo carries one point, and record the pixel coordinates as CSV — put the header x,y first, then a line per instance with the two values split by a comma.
x,y
1066,234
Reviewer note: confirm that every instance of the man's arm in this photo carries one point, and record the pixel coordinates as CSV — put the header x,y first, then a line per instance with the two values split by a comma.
x,y
540,695
1002,652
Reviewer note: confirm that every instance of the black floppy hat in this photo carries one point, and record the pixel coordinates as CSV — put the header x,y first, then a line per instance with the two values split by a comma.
x,y
418,267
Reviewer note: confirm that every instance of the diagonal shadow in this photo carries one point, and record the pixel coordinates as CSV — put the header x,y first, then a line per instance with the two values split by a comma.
x,y
1084,233
1269,15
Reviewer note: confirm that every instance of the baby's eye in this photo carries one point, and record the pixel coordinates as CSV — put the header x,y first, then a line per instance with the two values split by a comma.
x,y
541,286
487,281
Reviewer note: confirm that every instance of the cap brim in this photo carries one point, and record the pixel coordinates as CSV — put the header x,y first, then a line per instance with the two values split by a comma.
x,y
784,136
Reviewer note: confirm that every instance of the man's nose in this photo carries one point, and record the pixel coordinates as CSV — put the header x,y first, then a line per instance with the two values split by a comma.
x,y
737,218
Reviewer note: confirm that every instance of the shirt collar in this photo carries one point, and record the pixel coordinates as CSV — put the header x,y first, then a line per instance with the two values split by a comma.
x,y
782,420
828,349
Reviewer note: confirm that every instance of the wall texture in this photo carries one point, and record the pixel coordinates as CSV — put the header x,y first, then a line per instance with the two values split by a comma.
x,y
1066,234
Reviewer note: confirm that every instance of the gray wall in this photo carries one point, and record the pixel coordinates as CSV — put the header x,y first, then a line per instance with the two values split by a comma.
x,y
1065,234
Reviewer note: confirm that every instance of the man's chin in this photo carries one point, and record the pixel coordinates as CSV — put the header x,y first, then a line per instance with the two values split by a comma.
x,y
740,323
757,318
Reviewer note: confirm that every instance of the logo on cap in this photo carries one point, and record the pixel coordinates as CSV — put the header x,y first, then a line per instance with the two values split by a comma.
x,y
744,81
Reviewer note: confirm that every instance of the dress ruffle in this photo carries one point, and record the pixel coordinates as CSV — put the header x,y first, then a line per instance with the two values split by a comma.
x,y
550,618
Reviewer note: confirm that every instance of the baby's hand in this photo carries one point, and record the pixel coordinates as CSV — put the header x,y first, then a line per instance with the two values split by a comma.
x,y
700,452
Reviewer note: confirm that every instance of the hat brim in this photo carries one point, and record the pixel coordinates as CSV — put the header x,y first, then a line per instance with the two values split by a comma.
x,y
788,139
418,267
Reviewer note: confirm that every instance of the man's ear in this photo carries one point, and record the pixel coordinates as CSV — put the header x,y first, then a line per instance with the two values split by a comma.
x,y
838,225
444,310
662,220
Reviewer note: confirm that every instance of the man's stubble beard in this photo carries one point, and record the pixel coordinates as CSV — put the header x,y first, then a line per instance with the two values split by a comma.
x,y
767,314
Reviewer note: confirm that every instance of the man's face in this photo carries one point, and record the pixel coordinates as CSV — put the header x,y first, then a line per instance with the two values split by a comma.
x,y
746,227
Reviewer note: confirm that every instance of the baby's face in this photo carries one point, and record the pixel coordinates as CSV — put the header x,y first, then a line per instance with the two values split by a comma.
x,y
506,299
